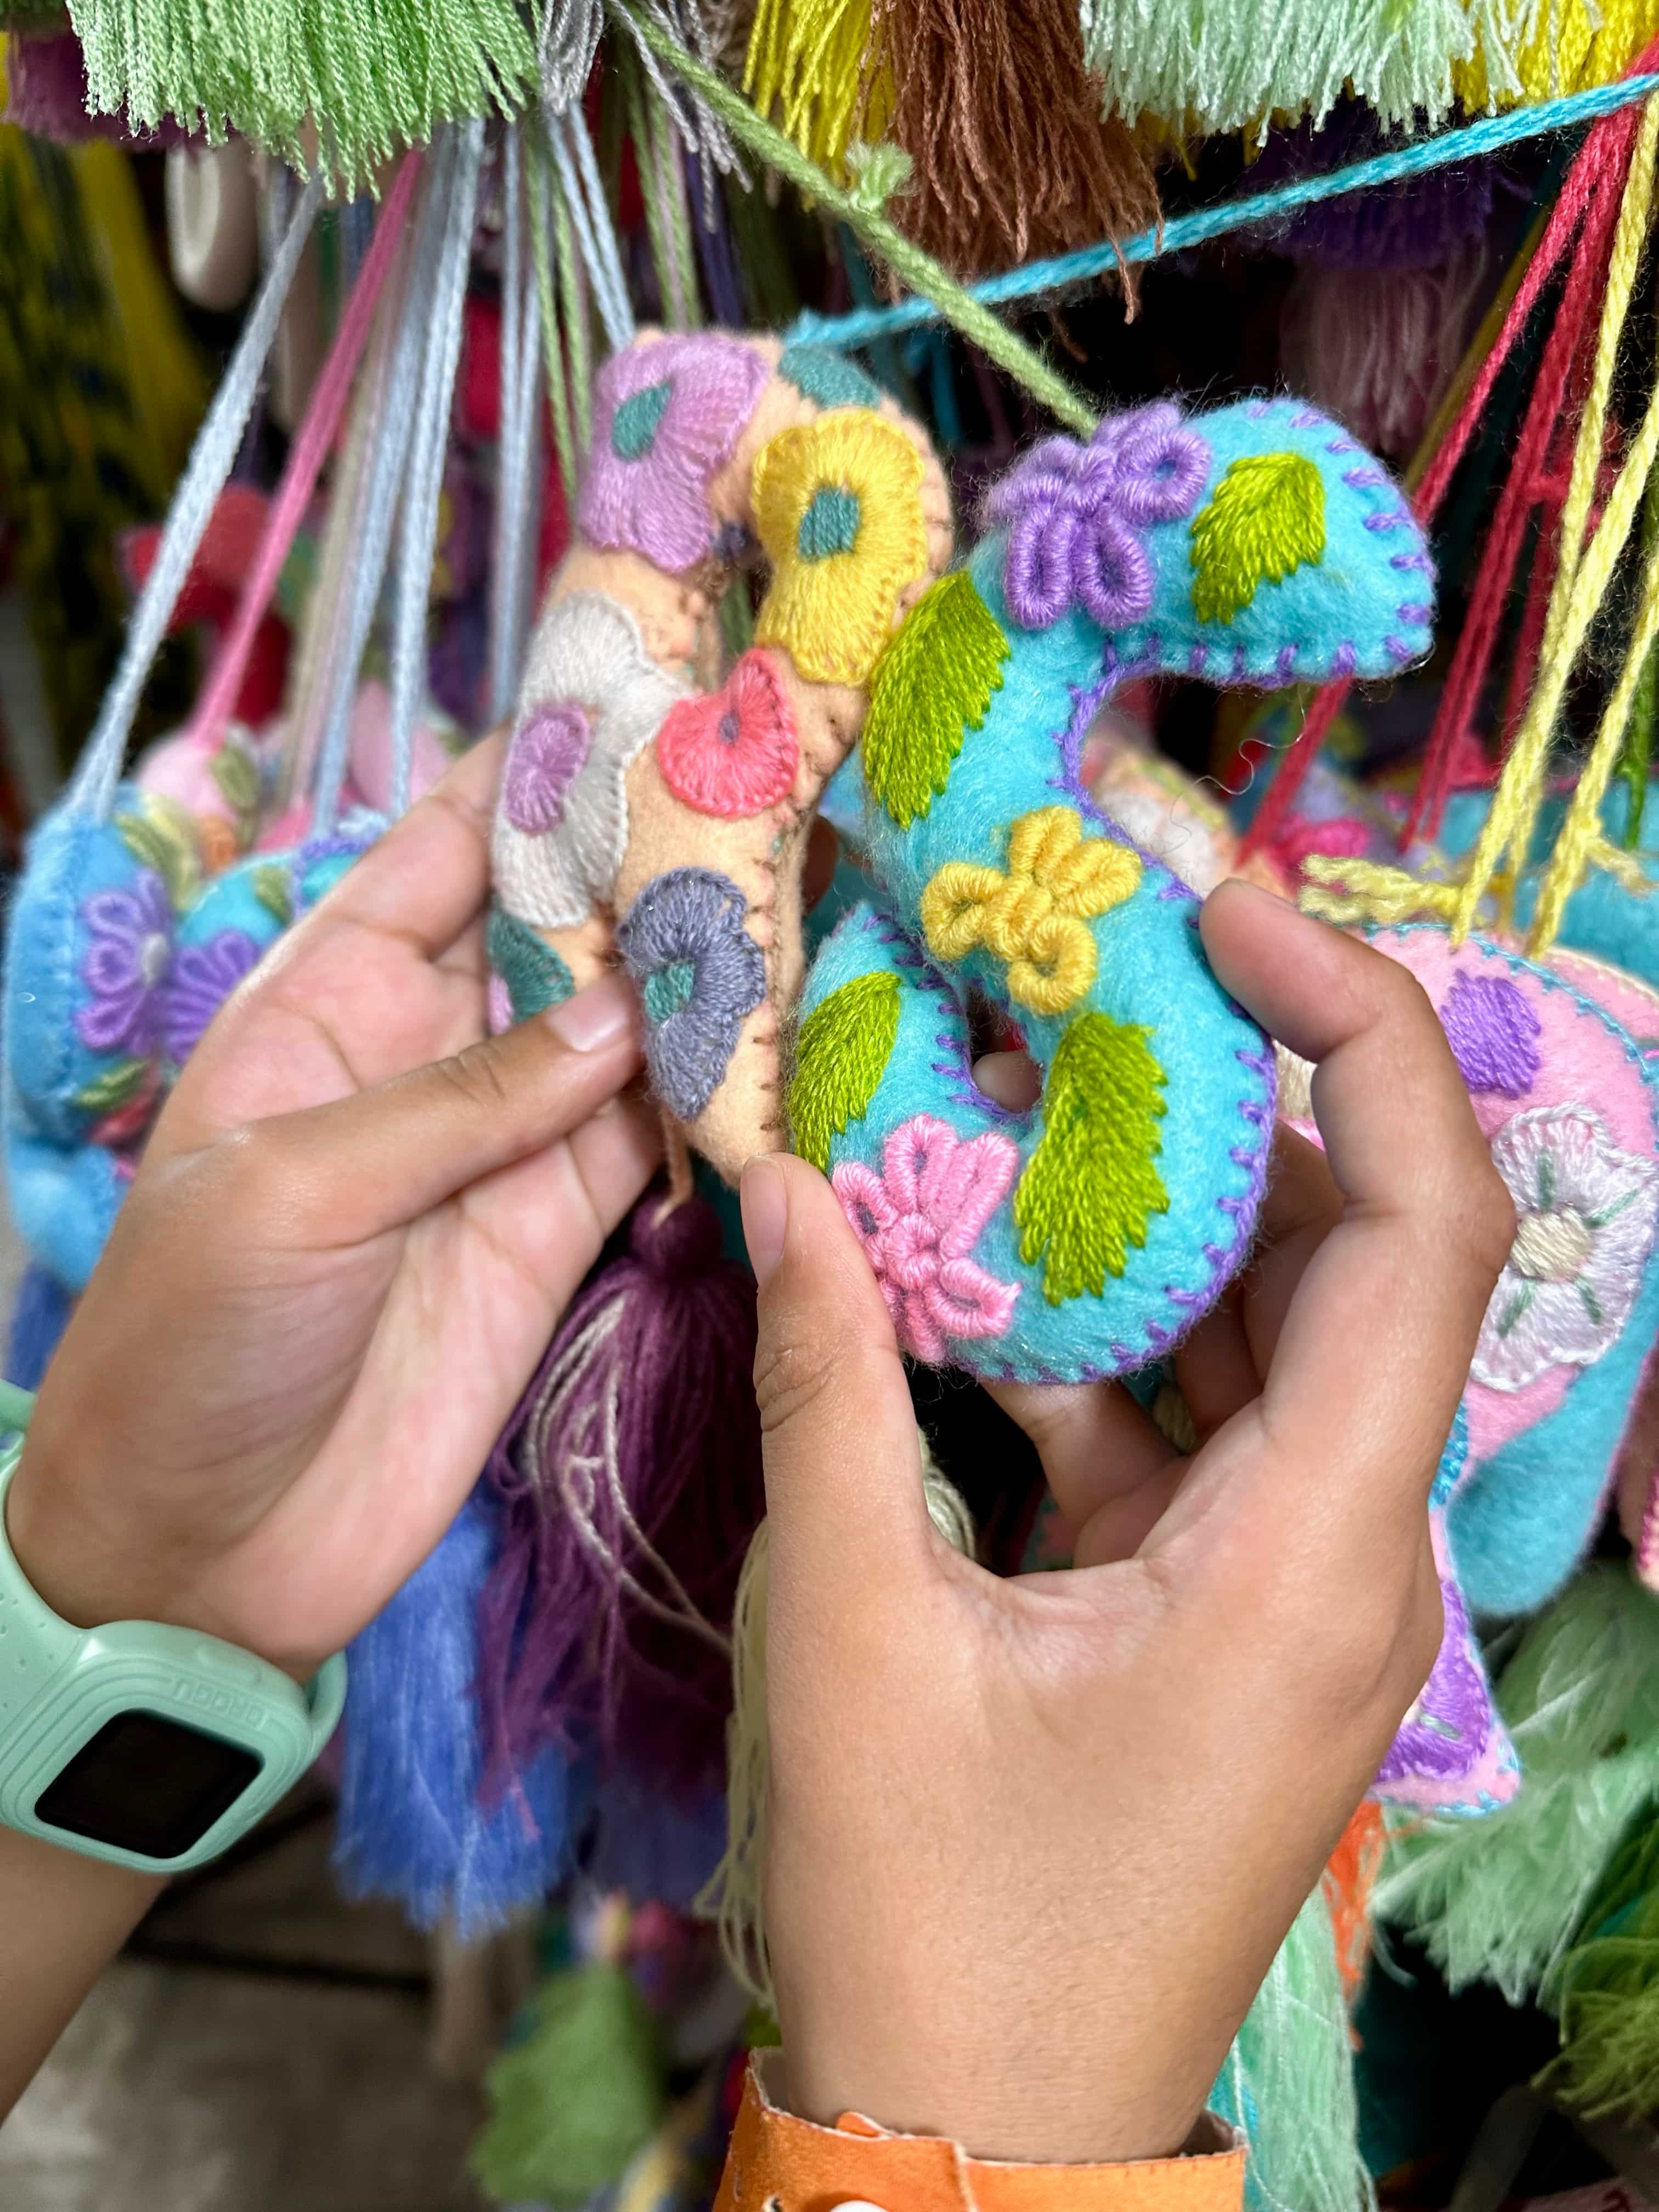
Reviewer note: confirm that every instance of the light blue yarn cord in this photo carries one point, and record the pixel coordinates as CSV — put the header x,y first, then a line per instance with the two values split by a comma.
x,y
206,473
424,486
1036,278
515,500
595,239
384,475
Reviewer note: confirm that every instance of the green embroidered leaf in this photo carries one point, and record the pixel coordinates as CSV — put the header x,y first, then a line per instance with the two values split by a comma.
x,y
1265,518
1090,1184
238,779
113,1088
535,976
840,1057
270,886
932,684
163,837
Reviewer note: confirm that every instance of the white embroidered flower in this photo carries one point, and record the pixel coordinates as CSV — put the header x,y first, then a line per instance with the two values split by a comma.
x,y
592,699
1585,1215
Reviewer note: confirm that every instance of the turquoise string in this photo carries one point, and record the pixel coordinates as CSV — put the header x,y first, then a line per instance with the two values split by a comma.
x,y
1466,144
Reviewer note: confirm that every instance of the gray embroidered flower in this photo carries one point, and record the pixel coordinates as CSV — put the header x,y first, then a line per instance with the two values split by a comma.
x,y
700,975
1585,1217
557,850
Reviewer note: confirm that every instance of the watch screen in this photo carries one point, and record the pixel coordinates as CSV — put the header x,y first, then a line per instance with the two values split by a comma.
x,y
147,1784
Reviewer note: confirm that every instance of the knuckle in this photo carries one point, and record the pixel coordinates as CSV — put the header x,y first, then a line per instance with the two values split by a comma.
x,y
1486,1224
793,1368
1377,1650
474,1074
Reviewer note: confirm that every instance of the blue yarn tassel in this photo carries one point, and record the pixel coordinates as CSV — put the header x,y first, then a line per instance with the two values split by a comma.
x,y
410,1826
37,1320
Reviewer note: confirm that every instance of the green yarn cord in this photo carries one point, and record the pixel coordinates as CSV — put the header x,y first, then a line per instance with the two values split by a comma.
x,y
859,206
372,78
1289,2084
1608,1990
1501,1899
578,2099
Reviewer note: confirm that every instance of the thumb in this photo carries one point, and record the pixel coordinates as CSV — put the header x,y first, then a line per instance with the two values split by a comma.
x,y
844,1467
380,1159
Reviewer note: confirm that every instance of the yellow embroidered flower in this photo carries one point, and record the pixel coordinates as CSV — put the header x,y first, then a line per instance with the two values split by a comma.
x,y
1037,916
838,508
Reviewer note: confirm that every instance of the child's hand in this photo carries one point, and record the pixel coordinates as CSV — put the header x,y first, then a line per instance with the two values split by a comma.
x,y
1032,1844
354,1229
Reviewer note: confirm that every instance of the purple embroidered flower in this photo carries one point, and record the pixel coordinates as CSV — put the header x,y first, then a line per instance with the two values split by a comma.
x,y
547,757
667,415
130,934
202,977
700,975
1493,1034
1445,1734
1077,515
1585,1220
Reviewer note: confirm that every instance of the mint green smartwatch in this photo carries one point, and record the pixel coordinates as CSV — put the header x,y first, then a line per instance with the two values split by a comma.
x,y
150,1746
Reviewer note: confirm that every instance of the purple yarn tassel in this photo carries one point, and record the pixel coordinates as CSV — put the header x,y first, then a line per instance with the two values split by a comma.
x,y
629,1479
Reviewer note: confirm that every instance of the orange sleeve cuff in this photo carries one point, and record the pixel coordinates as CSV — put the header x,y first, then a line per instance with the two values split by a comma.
x,y
777,2163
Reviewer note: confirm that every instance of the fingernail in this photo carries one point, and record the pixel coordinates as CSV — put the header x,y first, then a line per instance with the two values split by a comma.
x,y
597,1017
763,1196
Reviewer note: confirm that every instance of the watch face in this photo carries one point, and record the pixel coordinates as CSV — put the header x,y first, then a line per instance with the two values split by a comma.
x,y
147,1784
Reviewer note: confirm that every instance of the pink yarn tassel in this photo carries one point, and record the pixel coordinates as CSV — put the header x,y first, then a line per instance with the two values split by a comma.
x,y
631,1480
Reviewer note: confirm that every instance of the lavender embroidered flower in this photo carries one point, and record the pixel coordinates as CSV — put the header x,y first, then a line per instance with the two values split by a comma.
x,y
666,419
130,942
700,975
587,660
1445,1734
1585,1217
1078,514
548,755
202,977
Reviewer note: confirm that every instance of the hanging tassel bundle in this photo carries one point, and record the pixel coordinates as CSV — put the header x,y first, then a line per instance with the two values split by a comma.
x,y
1608,1990
1288,2081
368,80
1003,122
808,59
580,2093
1349,1884
1208,65
630,1481
1375,355
1501,1899
1533,50
411,1825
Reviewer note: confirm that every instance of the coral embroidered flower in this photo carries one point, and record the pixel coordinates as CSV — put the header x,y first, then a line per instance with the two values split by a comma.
x,y
732,752
202,977
838,508
1035,917
919,1219
1077,515
666,419
592,699
130,942
1585,1215
700,975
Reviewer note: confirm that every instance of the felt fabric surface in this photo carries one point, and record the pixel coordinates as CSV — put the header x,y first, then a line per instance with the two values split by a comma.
x,y
613,801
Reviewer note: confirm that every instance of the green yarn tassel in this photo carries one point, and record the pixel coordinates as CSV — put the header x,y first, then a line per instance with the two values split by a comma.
x,y
579,2098
371,78
1609,1990
1289,2084
1229,64
1501,1899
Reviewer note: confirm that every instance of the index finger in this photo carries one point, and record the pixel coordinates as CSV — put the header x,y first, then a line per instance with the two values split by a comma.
x,y
1375,1349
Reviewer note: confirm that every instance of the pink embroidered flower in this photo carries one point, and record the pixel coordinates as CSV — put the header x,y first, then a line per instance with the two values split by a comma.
x,y
1585,1220
548,751
918,1220
666,416
734,752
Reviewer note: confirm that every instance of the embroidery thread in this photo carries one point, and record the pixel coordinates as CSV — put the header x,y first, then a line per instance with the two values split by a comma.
x,y
841,1054
1265,519
931,685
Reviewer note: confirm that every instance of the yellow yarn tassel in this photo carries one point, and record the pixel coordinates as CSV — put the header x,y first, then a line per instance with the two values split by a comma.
x,y
1533,50
733,1898
811,59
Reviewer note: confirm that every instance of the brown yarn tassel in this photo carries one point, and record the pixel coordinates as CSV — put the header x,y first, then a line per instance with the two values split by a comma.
x,y
1002,122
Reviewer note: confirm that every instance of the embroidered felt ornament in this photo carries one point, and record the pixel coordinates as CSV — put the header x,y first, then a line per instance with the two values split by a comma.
x,y
1255,544
1567,1100
649,812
